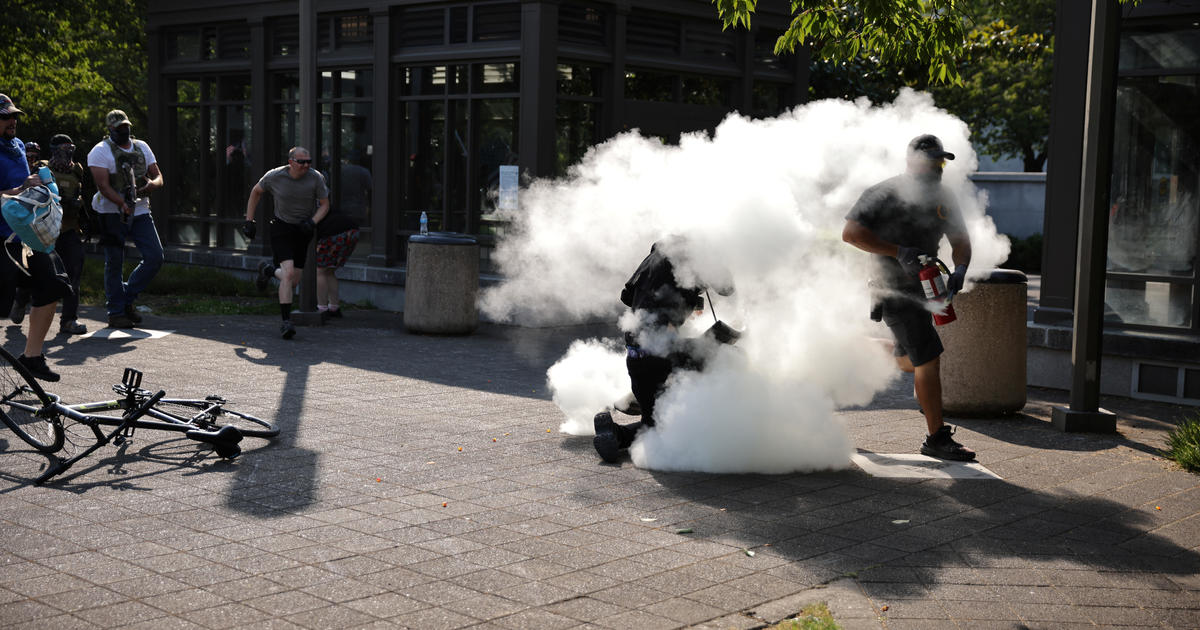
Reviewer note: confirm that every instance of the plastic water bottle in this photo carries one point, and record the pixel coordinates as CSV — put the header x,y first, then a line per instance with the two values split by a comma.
x,y
48,179
424,223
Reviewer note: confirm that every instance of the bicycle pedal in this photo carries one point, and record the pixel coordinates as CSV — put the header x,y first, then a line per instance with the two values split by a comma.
x,y
118,440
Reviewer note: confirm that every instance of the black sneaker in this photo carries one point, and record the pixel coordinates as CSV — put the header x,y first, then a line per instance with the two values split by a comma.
x,y
287,330
943,446
120,320
132,314
17,314
606,443
38,368
266,271
72,327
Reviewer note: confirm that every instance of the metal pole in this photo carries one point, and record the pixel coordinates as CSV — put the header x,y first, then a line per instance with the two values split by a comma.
x,y
308,139
1084,413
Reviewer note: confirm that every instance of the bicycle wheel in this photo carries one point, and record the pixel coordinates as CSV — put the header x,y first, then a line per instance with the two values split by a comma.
x,y
22,399
213,413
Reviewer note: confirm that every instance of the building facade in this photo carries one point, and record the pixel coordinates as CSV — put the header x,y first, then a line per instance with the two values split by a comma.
x,y
1151,319
419,104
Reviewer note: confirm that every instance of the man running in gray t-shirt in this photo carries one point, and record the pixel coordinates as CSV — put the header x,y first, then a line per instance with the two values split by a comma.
x,y
301,201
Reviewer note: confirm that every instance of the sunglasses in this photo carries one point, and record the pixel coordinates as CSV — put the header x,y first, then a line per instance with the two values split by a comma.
x,y
308,161
8,116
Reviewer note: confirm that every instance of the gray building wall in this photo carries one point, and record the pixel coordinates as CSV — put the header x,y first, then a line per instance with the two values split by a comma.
x,y
1016,201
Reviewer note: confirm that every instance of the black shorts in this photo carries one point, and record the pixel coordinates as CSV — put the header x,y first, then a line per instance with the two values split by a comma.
x,y
46,281
289,242
912,326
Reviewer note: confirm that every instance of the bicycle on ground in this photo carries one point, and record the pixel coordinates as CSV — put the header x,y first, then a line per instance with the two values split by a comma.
x,y
37,417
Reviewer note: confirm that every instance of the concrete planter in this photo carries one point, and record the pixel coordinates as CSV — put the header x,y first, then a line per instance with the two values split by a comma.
x,y
983,368
442,284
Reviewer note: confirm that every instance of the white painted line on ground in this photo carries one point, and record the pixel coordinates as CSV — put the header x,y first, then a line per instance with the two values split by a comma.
x,y
910,466
127,333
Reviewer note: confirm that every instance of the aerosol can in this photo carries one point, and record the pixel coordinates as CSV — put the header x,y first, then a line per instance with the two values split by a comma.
x,y
935,289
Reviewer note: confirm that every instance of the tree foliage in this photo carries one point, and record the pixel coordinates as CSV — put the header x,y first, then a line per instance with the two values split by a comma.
x,y
1006,69
67,63
989,64
888,32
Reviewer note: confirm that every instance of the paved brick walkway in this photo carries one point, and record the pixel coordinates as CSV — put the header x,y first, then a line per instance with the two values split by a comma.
x,y
365,513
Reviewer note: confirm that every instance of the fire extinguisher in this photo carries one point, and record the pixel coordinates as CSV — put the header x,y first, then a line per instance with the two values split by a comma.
x,y
935,289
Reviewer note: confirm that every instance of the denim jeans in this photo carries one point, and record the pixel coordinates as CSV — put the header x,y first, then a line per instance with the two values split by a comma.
x,y
141,229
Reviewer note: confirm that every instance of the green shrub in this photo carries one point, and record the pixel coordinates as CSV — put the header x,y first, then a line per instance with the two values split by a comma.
x,y
171,279
811,617
1183,444
1026,254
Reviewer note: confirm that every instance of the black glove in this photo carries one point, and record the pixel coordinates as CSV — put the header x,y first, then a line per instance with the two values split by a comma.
x,y
308,226
248,229
955,283
910,260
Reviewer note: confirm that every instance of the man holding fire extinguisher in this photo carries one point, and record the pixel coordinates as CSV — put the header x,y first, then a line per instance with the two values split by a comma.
x,y
901,220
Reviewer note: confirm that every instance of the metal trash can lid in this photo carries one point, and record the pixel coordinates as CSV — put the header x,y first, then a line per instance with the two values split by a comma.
x,y
1004,276
442,238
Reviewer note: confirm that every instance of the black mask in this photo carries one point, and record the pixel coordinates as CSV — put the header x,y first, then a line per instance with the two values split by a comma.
x,y
120,135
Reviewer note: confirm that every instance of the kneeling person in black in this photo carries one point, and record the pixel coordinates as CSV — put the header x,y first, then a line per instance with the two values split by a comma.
x,y
653,350
301,202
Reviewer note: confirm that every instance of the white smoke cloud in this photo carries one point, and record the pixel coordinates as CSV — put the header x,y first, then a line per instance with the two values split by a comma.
x,y
590,377
765,200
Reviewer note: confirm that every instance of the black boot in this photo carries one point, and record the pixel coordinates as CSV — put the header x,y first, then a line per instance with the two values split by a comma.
x,y
606,443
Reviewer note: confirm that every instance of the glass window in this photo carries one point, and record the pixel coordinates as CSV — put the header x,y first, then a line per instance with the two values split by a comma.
x,y
188,159
769,99
210,154
578,129
1153,216
579,80
353,29
579,24
285,36
698,90
183,44
286,86
455,143
234,42
653,34
496,77
1160,47
187,91
497,146
424,80
421,27
209,44
648,85
425,130
764,50
458,25
235,88
497,22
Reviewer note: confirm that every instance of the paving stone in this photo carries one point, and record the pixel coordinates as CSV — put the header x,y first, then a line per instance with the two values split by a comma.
x,y
534,533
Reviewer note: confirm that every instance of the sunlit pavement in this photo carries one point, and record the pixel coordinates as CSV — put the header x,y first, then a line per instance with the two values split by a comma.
x,y
422,482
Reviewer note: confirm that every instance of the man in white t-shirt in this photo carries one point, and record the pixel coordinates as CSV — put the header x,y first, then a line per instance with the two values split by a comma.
x,y
125,173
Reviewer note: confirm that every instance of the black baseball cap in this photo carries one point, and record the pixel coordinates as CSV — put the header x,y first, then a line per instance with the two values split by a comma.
x,y
931,146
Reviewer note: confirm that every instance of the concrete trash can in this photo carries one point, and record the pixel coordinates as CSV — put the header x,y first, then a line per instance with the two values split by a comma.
x,y
983,367
442,284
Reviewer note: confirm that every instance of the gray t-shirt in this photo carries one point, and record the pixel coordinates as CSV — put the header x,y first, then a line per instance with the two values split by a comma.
x,y
295,199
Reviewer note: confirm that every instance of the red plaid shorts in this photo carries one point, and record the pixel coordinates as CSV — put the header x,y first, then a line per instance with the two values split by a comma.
x,y
334,251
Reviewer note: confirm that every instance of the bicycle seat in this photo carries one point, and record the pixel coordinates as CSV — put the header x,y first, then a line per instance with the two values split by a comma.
x,y
224,440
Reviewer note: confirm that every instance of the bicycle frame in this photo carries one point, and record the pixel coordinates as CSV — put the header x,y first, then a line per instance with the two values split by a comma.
x,y
135,406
